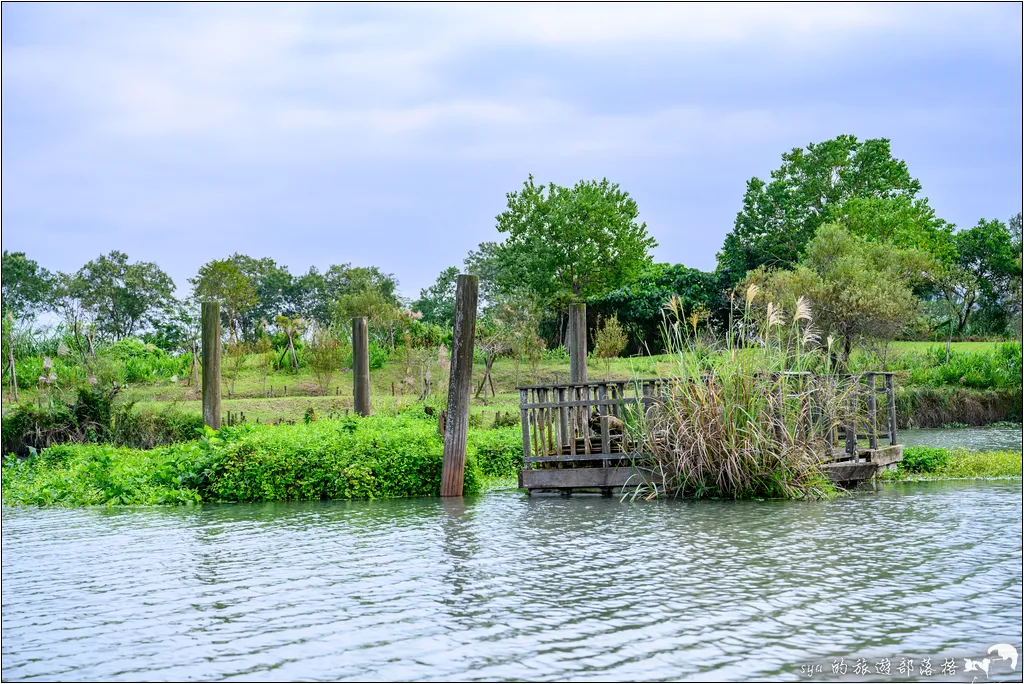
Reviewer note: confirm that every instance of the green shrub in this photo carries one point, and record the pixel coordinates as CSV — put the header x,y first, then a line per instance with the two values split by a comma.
x,y
499,452
934,463
922,459
372,457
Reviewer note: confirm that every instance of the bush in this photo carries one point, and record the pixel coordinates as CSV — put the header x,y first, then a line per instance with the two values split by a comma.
x,y
932,462
93,417
922,459
499,452
326,459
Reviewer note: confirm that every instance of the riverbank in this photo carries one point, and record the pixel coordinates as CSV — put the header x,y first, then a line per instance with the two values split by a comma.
x,y
348,458
922,463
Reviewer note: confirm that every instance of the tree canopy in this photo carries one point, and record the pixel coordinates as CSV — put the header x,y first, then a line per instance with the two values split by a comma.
x,y
123,296
568,244
26,285
857,288
812,187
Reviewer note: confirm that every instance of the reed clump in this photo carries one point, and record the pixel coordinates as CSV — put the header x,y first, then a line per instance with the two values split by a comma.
x,y
751,414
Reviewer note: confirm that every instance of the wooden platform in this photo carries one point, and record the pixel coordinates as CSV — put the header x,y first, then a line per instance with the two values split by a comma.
x,y
575,436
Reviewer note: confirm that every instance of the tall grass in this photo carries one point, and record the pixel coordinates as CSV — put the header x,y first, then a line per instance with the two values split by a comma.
x,y
750,421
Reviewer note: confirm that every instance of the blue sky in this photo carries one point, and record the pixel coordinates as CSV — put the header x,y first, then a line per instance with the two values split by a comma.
x,y
389,134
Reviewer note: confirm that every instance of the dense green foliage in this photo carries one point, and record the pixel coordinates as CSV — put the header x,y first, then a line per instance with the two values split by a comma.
x,y
92,416
811,187
568,244
934,463
857,288
26,285
328,459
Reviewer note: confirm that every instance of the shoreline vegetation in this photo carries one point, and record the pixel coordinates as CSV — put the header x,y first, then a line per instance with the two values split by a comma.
x,y
829,265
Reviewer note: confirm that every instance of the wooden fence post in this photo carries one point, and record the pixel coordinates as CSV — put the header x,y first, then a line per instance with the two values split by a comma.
x,y
872,412
577,343
360,366
890,400
211,364
460,385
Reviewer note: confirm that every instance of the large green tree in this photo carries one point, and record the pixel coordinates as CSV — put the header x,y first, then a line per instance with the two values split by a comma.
x,y
318,293
225,282
991,254
858,288
811,187
26,285
437,302
638,304
568,244
123,297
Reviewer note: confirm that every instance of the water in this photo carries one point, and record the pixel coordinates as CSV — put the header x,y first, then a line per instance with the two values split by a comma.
x,y
505,587
972,438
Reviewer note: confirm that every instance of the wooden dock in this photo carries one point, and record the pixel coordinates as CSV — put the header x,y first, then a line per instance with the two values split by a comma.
x,y
575,436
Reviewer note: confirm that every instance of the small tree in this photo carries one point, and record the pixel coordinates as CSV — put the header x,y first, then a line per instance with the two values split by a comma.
x,y
611,340
235,353
325,353
263,349
292,328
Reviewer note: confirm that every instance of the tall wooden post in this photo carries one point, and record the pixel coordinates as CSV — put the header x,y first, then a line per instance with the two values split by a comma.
x,y
211,364
360,366
577,343
460,385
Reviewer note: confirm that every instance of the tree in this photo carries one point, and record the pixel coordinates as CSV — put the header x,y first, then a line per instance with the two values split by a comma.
x,y
857,288
325,353
638,304
987,252
780,217
223,281
123,297
570,244
26,285
437,302
318,293
900,220
611,340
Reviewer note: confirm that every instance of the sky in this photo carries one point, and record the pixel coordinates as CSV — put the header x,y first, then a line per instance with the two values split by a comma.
x,y
389,135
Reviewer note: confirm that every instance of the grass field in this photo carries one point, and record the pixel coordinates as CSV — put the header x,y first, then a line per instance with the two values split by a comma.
x,y
288,396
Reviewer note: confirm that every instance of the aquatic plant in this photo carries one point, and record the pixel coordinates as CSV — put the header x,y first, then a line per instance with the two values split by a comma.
x,y
754,419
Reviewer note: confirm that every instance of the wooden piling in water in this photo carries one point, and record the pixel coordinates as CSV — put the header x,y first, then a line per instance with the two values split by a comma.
x,y
211,364
460,385
360,366
577,343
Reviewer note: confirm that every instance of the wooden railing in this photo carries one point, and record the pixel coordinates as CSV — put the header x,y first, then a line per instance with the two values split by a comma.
x,y
588,421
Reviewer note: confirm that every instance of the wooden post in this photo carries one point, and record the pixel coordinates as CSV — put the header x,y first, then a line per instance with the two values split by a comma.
x,y
577,343
360,366
872,409
890,397
851,420
460,385
211,364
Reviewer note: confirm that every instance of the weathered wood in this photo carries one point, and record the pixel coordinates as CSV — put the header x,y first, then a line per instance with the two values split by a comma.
x,y
211,364
577,343
586,477
602,393
360,366
851,423
524,416
890,399
460,385
872,411
563,419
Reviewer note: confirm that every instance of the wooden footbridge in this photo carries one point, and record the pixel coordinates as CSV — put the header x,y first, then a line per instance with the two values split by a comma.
x,y
578,437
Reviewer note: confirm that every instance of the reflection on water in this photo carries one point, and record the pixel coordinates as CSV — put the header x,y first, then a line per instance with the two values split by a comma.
x,y
972,439
505,587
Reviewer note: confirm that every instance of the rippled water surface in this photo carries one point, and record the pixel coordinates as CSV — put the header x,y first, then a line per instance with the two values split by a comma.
x,y
505,587
972,438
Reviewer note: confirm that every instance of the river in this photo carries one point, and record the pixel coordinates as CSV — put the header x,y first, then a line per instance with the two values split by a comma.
x,y
501,586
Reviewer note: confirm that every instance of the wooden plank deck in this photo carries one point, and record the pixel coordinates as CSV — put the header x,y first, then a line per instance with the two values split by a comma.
x,y
573,435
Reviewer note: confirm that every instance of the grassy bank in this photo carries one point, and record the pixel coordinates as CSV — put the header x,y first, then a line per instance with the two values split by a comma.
x,y
350,458
933,463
